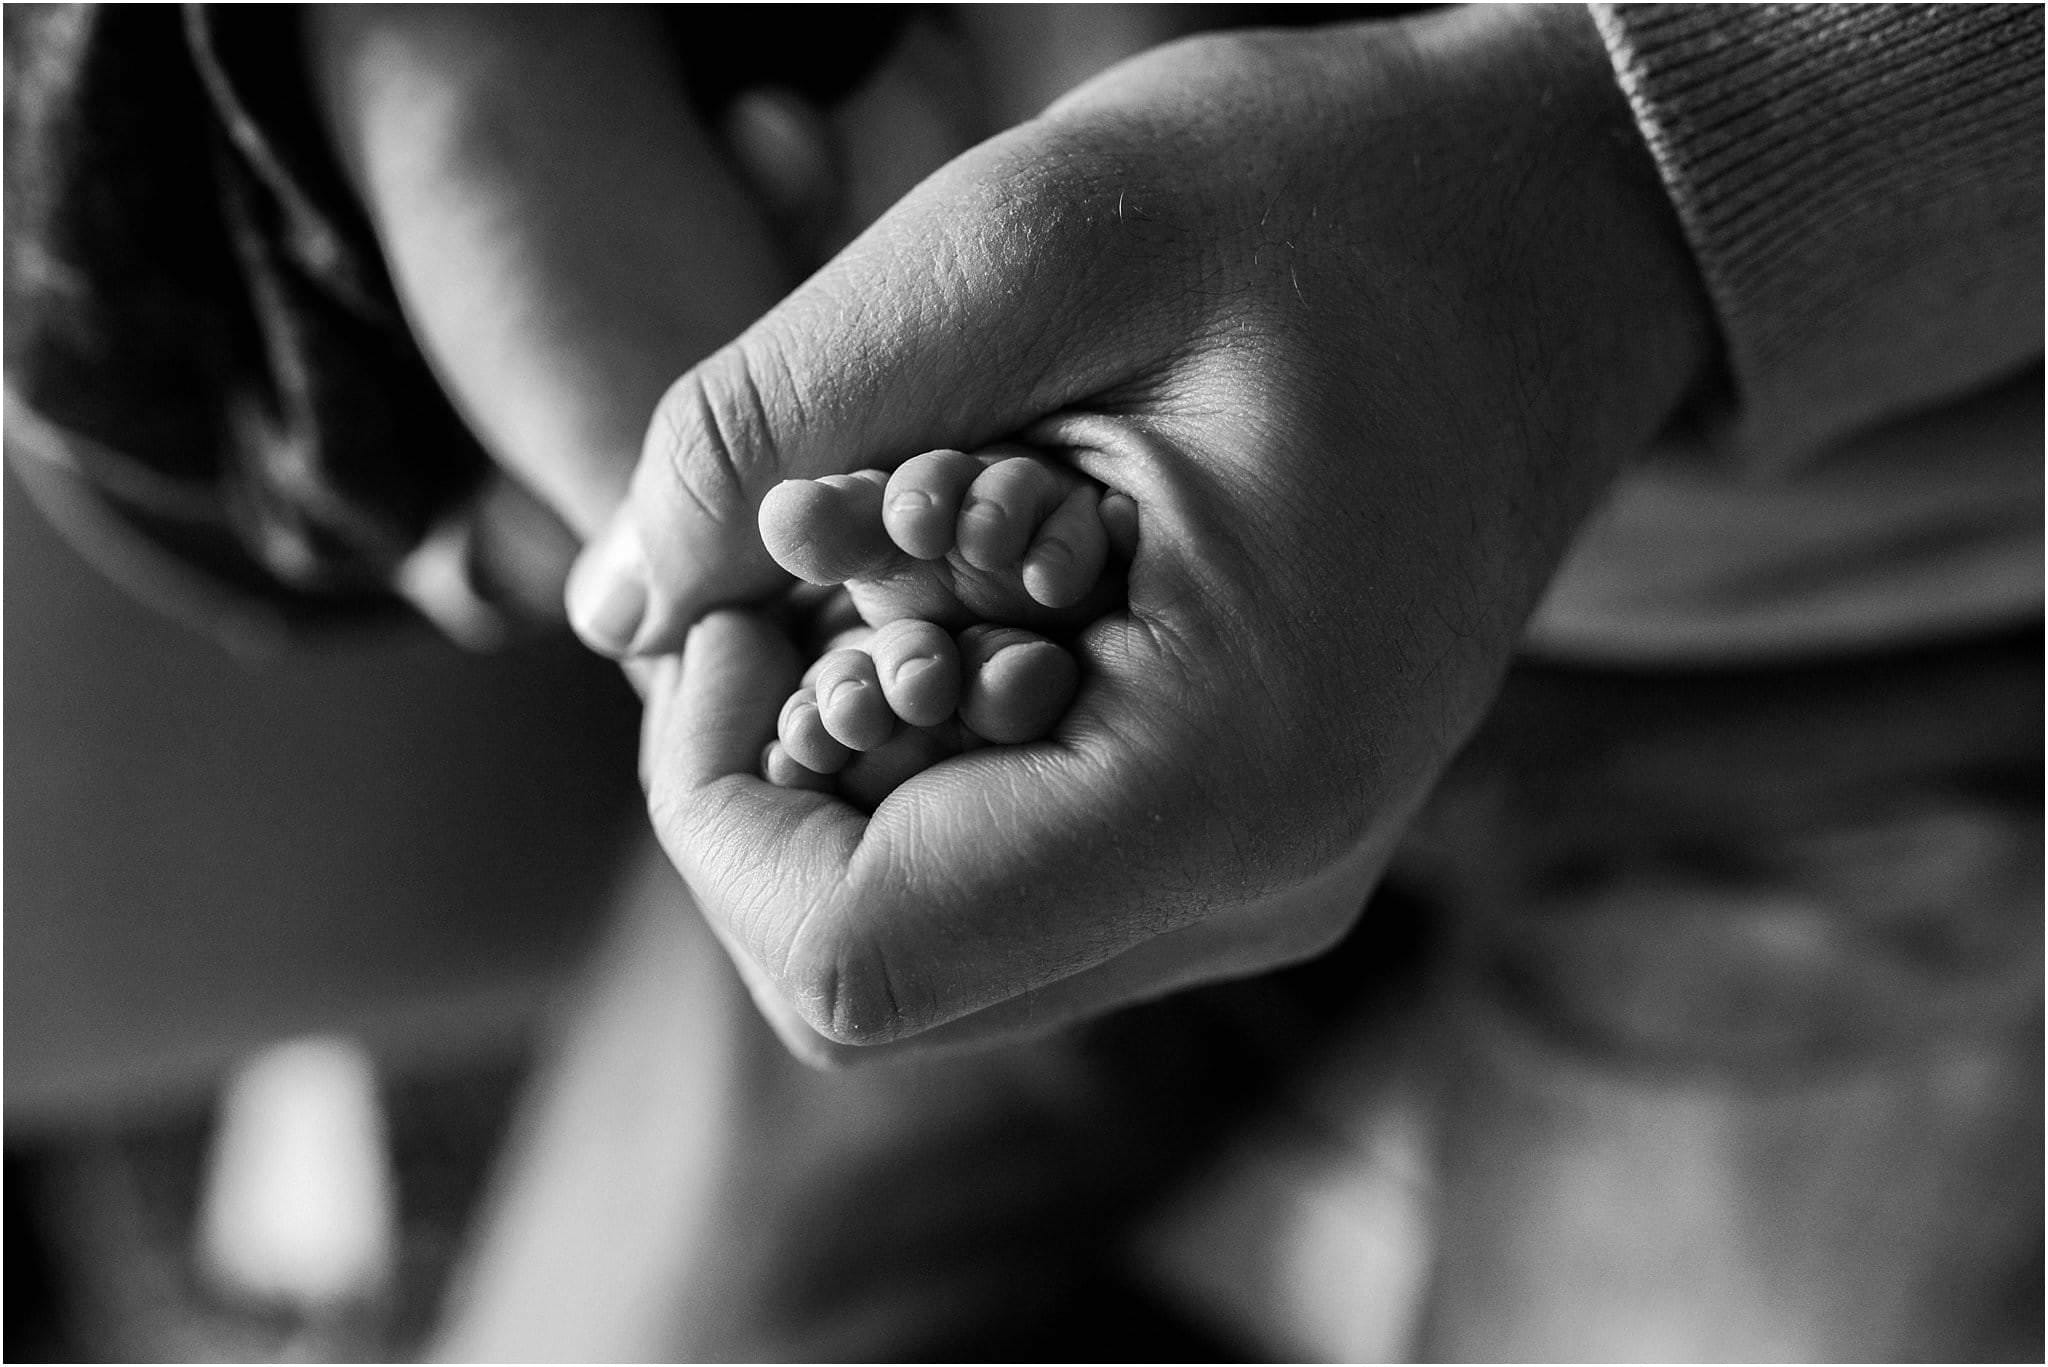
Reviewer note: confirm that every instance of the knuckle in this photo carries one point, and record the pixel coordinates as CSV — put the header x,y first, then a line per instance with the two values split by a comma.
x,y
714,435
845,989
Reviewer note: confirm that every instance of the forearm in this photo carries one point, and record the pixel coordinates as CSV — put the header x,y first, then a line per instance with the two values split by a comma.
x,y
563,235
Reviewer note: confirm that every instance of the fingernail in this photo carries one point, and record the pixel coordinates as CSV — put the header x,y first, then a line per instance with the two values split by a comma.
x,y
910,501
608,593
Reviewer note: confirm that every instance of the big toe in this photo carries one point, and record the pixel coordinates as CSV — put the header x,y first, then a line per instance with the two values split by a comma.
x,y
1018,684
827,531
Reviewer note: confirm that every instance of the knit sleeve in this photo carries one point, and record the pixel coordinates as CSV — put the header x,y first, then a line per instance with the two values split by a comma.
x,y
1862,186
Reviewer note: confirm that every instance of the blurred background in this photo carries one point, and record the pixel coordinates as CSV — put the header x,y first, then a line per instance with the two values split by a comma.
x,y
348,1017
380,841
350,1013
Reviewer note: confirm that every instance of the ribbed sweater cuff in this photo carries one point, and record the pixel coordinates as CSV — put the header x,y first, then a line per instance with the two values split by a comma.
x,y
1862,186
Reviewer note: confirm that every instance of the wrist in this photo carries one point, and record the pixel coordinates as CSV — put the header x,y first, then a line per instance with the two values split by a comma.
x,y
1608,281
1483,156
1485,240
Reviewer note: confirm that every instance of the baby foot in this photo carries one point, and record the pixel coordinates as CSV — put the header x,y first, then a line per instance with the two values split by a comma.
x,y
869,716
952,538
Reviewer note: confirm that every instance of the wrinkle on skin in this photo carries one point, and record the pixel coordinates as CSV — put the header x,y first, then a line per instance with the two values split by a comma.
x,y
1328,576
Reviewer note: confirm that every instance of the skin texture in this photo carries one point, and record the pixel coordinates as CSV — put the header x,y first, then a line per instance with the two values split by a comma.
x,y
1361,319
479,138
1000,536
946,540
565,235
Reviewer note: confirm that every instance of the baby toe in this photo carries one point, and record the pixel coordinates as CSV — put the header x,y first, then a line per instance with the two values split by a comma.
x,y
1119,513
1067,555
782,770
1018,684
922,502
802,732
827,531
1004,507
919,669
851,702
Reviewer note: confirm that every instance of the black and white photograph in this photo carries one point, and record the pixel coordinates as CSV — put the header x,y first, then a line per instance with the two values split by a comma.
x,y
1016,682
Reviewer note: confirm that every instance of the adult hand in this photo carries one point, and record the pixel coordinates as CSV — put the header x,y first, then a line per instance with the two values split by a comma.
x,y
1363,319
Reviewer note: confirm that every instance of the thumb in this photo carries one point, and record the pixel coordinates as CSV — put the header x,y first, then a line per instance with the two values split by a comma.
x,y
949,323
